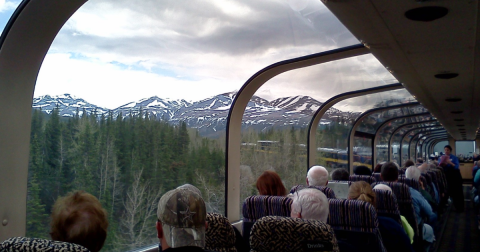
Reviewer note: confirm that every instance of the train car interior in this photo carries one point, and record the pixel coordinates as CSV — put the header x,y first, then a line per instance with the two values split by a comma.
x,y
237,87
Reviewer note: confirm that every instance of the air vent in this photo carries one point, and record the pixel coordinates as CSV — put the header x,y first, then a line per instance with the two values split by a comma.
x,y
446,76
460,125
427,13
457,112
453,99
458,120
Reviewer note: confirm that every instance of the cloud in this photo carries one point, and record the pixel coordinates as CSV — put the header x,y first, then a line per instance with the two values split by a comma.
x,y
8,5
193,49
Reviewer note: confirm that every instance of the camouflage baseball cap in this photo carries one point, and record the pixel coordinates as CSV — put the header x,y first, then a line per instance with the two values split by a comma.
x,y
183,215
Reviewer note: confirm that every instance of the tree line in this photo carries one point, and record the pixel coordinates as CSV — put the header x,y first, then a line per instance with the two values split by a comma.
x,y
127,162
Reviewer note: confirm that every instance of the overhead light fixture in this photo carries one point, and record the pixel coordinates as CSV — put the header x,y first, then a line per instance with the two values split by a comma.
x,y
453,99
427,13
446,76
460,125
458,120
457,112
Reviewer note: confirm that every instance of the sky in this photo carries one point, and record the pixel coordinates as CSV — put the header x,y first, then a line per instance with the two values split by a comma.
x,y
112,52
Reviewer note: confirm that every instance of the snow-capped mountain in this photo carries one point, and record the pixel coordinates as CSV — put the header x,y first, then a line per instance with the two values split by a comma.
x,y
67,104
161,108
208,115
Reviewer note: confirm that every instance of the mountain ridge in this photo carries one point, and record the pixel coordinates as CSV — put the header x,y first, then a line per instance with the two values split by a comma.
x,y
208,115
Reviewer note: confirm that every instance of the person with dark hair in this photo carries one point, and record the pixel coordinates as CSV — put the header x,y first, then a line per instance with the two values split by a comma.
x,y
362,170
451,166
340,174
378,167
269,183
394,236
389,172
408,163
79,218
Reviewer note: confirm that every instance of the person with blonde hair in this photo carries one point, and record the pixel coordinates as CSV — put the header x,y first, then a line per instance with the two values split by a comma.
x,y
393,235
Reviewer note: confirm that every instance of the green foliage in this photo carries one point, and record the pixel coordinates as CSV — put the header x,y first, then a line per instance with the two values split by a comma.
x,y
104,156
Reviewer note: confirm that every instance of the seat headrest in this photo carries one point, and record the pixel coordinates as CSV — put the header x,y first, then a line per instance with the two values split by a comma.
x,y
219,235
25,244
276,233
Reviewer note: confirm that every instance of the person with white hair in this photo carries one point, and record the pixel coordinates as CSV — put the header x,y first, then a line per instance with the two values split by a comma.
x,y
310,204
415,173
317,176
422,208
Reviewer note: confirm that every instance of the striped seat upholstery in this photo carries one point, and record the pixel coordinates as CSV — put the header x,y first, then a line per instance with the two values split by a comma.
x,y
327,191
355,223
402,171
258,206
368,179
387,205
377,176
219,235
427,183
441,180
410,182
405,204
25,244
285,234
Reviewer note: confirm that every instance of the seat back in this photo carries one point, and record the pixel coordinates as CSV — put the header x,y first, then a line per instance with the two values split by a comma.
x,y
410,182
219,235
405,203
285,234
377,176
355,223
368,179
327,191
25,244
258,206
387,205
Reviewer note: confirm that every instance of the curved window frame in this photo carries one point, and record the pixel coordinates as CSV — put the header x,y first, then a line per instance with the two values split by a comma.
x,y
360,119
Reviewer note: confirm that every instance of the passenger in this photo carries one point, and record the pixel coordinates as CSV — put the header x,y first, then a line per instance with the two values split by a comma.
x,y
408,163
450,165
310,204
317,176
419,161
378,167
79,218
393,235
421,206
269,183
181,221
414,174
362,170
424,169
340,174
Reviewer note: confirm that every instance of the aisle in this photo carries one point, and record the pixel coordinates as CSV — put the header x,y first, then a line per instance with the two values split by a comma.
x,y
461,232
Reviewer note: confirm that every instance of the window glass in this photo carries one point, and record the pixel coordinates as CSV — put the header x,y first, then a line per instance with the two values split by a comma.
x,y
403,153
362,152
464,150
134,95
7,7
439,148
386,131
277,118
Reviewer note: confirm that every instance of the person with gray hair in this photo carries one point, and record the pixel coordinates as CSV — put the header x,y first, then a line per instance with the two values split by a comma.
x,y
317,176
422,208
415,173
310,204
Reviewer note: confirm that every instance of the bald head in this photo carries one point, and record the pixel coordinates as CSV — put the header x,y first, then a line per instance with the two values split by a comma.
x,y
382,187
317,176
